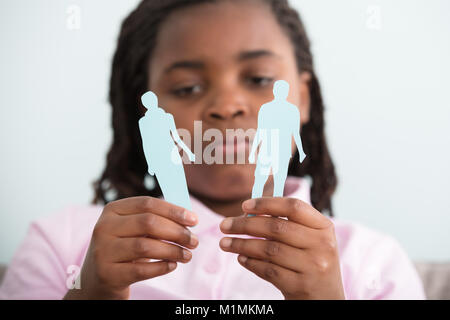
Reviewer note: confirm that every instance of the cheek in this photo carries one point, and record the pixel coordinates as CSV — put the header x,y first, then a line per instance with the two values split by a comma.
x,y
184,118
300,98
295,94
184,113
294,97
304,105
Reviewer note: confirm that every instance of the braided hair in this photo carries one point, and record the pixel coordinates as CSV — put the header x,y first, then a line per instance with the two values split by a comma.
x,y
126,167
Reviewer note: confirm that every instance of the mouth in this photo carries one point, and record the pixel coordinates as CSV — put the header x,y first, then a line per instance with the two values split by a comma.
x,y
236,145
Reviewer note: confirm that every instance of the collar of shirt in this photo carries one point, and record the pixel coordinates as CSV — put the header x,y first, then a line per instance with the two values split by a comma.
x,y
295,187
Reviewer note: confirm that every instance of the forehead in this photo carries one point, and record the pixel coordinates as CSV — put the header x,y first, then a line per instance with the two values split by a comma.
x,y
218,31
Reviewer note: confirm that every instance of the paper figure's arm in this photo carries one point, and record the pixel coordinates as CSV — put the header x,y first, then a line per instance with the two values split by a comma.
x,y
296,134
146,151
177,139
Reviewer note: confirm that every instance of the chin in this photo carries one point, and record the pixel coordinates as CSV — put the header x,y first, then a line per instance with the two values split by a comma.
x,y
221,182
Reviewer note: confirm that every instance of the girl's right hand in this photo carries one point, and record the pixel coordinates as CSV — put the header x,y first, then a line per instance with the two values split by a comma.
x,y
127,234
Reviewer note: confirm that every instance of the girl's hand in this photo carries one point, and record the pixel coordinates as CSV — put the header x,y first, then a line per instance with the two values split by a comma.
x,y
121,246
299,255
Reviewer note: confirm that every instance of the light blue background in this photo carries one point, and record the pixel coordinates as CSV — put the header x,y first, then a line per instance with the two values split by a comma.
x,y
386,91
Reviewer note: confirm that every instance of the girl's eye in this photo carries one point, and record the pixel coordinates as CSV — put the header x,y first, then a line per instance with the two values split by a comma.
x,y
186,91
260,81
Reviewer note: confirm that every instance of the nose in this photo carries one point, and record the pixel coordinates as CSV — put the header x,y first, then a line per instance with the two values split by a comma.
x,y
226,105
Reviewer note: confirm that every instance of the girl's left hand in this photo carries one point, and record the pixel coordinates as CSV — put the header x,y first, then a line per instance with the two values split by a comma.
x,y
299,256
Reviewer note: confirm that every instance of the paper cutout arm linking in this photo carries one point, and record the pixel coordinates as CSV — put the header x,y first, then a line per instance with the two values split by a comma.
x,y
298,140
178,140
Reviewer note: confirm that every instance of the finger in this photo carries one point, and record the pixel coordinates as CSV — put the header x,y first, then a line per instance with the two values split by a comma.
x,y
129,249
130,272
280,277
292,208
157,206
142,260
154,226
272,251
273,228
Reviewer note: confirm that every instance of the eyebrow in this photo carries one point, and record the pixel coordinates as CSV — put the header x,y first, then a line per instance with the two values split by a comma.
x,y
246,55
196,64
186,64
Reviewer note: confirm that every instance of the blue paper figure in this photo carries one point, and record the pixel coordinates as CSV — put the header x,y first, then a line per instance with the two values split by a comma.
x,y
158,133
278,122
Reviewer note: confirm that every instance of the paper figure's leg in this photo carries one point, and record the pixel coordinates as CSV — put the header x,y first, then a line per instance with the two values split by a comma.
x,y
260,181
173,185
179,194
183,193
279,178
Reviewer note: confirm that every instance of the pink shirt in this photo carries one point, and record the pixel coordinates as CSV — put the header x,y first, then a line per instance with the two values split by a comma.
x,y
373,265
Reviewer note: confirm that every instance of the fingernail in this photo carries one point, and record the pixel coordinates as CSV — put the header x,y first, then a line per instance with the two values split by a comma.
x,y
249,204
190,217
225,242
242,259
187,255
194,240
226,224
172,265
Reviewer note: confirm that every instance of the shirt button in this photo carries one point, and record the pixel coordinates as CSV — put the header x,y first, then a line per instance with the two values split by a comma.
x,y
212,267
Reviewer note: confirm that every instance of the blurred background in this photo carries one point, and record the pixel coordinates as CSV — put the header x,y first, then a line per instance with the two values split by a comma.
x,y
385,71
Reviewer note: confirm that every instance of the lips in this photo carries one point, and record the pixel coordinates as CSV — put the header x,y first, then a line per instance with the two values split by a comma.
x,y
236,145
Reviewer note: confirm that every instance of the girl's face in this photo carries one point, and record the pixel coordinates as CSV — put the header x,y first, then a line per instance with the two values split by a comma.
x,y
216,63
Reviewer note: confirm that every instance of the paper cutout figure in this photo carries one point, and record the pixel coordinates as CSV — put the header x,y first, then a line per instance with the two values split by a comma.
x,y
158,132
278,121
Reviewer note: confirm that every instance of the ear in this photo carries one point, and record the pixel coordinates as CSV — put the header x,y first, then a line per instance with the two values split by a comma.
x,y
305,97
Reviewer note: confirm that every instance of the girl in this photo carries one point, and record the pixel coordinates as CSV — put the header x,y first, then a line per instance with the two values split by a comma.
x,y
214,62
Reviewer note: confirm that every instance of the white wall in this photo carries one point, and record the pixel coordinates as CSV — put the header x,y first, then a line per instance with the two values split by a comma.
x,y
386,85
388,95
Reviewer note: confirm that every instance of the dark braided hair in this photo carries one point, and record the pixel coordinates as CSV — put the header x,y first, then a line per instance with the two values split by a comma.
x,y
126,166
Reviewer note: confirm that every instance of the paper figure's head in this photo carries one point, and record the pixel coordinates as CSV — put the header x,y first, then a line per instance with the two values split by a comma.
x,y
281,89
149,100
